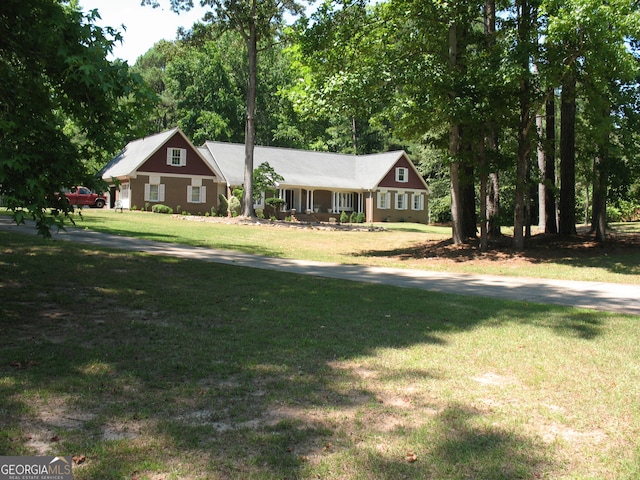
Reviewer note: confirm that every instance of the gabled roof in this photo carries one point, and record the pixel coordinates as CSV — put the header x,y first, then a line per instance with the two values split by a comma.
x,y
127,162
303,168
135,154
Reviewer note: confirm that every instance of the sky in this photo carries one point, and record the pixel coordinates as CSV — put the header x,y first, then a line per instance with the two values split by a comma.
x,y
144,25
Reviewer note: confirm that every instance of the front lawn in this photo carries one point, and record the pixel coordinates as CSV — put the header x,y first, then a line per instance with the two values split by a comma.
x,y
161,368
402,245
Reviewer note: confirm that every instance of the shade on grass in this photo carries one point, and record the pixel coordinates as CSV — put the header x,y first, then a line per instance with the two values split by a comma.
x,y
166,368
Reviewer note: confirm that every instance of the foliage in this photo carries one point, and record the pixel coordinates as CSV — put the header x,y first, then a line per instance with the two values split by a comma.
x,y
160,208
275,202
223,204
63,107
152,67
234,206
265,180
344,218
208,91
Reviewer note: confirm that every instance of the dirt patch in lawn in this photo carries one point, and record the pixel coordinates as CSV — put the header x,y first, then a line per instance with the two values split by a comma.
x,y
539,249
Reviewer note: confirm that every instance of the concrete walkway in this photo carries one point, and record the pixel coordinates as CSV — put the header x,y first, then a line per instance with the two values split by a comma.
x,y
612,297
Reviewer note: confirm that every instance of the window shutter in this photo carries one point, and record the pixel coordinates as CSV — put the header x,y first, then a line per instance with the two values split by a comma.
x,y
161,192
183,157
203,194
147,194
189,194
169,155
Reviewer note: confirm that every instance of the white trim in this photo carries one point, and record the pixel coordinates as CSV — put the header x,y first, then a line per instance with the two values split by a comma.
x,y
202,194
170,157
147,192
177,175
402,172
404,198
386,204
420,204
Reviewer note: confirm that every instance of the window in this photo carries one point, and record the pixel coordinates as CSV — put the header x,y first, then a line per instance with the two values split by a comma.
x,y
384,200
342,201
259,202
402,174
401,201
417,201
154,192
177,157
196,194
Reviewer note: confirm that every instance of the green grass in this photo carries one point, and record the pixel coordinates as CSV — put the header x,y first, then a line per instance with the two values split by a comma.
x,y
163,368
399,245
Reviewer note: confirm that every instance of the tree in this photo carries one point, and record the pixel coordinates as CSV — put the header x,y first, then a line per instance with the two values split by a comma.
x,y
265,179
255,21
207,89
341,47
152,67
592,40
63,106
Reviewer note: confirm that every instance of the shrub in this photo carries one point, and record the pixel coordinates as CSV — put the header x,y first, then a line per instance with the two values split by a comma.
x,y
234,207
159,208
146,206
275,202
238,192
343,217
224,205
361,217
353,218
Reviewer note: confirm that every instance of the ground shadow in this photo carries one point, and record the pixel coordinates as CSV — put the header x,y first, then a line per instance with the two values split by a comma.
x,y
221,365
621,254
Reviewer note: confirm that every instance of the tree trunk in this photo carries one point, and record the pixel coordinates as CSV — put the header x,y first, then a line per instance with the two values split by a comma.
x,y
484,180
493,206
354,135
525,32
568,156
550,167
456,194
250,128
468,191
457,219
600,208
488,143
524,149
600,185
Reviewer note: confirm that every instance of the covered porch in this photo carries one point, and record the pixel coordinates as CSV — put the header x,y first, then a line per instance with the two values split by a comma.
x,y
320,201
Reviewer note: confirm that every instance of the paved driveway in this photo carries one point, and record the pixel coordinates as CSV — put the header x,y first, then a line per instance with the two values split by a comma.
x,y
613,297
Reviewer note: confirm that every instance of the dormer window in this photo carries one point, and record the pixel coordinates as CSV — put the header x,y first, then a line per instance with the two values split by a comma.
x,y
177,157
402,174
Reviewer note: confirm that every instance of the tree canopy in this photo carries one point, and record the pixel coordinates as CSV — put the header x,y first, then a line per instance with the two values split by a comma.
x,y
63,106
503,105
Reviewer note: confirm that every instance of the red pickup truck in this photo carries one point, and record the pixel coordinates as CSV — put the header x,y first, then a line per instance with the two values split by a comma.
x,y
80,196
